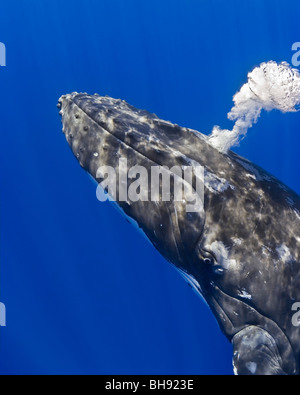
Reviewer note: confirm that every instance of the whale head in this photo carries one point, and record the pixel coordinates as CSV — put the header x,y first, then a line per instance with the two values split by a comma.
x,y
154,182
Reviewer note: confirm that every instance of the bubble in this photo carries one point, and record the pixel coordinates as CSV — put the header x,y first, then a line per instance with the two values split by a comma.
x,y
271,86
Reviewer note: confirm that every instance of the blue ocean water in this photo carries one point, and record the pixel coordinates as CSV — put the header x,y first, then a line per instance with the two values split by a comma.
x,y
84,292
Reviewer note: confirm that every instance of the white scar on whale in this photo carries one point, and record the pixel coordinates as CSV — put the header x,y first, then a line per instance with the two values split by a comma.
x,y
271,86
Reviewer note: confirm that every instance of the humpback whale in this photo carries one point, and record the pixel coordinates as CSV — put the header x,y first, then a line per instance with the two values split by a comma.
x,y
241,253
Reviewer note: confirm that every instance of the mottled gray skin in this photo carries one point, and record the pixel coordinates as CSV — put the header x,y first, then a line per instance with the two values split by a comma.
x,y
242,254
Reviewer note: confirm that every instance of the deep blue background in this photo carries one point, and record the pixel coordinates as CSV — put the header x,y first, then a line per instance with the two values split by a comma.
x,y
84,292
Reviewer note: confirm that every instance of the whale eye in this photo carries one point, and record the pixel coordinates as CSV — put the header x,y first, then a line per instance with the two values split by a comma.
x,y
208,259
